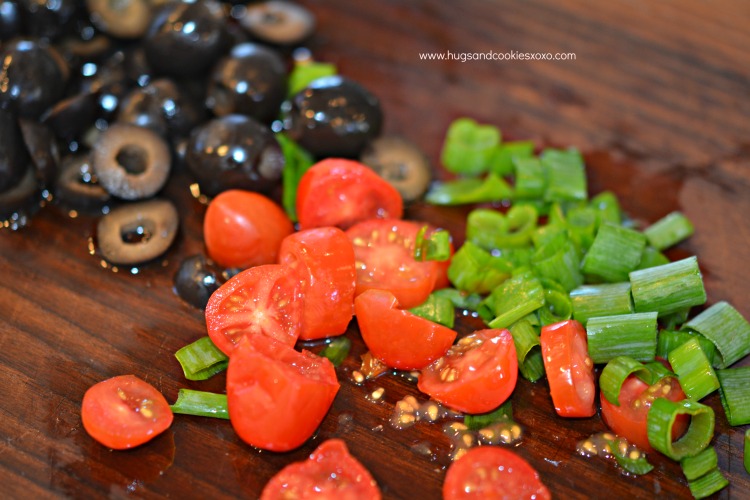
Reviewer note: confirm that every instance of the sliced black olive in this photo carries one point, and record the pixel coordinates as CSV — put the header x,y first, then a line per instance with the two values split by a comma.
x,y
49,19
137,232
14,160
131,162
121,18
10,19
195,281
401,163
42,146
19,199
72,116
77,185
278,22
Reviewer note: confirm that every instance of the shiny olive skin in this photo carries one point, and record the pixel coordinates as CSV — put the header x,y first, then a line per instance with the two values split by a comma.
x,y
42,146
334,116
235,152
14,159
49,19
10,19
195,281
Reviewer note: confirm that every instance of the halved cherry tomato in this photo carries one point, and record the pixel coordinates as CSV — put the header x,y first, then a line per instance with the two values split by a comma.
x,y
261,300
492,472
570,371
397,337
277,396
476,375
244,229
338,192
384,251
629,419
330,473
324,258
125,411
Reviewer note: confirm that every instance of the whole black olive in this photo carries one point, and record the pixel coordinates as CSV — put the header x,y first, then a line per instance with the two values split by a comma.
x,y
14,159
121,18
77,186
251,81
195,281
19,201
10,19
401,163
334,116
278,22
48,19
72,116
235,152
41,144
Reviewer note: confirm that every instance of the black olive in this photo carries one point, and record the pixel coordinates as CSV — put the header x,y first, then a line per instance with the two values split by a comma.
x,y
77,186
14,159
16,201
131,162
195,281
137,232
250,81
401,163
121,18
48,19
42,146
278,22
235,152
10,19
72,116
334,116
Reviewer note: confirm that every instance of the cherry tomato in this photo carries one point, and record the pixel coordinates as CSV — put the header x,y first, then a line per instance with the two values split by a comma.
x,y
629,419
261,300
397,337
244,229
476,375
488,472
125,411
384,251
570,371
330,472
338,192
324,258
277,396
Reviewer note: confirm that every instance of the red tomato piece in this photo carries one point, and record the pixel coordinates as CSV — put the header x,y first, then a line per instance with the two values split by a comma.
x,y
487,472
125,411
476,375
261,300
330,473
384,251
629,419
338,192
397,337
324,258
570,371
243,229
277,396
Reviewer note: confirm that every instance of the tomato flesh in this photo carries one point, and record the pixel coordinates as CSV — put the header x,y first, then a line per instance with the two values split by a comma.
x,y
277,396
476,375
330,472
124,411
397,337
261,300
569,369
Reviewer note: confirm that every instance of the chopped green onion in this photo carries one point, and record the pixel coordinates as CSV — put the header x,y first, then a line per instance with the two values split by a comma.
x,y
636,463
514,299
550,232
459,299
475,270
337,350
747,451
531,178
558,259
652,257
676,319
693,369
669,231
470,190
503,413
615,252
734,387
201,404
582,223
296,162
519,257
526,340
437,247
608,299
723,325
708,484
614,374
557,307
491,229
436,309
501,161
469,146
608,207
661,417
305,72
700,465
670,339
631,335
655,372
566,175
201,360
668,288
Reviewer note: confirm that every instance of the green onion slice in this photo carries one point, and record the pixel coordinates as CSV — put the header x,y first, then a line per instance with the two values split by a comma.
x,y
614,375
201,360
501,160
557,307
668,288
459,299
723,325
661,417
669,340
437,309
528,351
469,190
558,259
655,372
514,299
607,299
635,463
631,335
305,72
435,247
201,404
747,451
566,175
531,178
707,485
475,270
607,207
669,231
469,147
700,465
735,394
693,369
503,413
337,350
652,257
615,252
296,162
491,229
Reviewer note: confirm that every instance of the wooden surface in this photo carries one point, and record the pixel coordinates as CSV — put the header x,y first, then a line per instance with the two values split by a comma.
x,y
658,98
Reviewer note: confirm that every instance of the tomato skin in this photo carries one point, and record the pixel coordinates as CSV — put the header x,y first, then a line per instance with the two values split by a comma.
x,y
125,411
570,372
261,300
277,396
339,192
476,375
324,257
489,472
330,473
243,229
397,337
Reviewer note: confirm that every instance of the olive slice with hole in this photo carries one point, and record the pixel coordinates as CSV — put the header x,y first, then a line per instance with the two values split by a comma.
x,y
131,162
138,232
77,186
278,22
401,163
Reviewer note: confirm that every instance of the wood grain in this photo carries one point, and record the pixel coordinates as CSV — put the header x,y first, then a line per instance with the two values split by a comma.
x,y
657,99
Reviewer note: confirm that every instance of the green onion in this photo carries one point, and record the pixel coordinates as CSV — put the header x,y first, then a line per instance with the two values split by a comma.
x,y
526,340
607,207
708,485
652,257
501,161
669,231
557,307
470,190
747,451
582,223
637,465
305,72
655,372
558,259
566,175
614,375
550,232
631,335
503,413
734,387
437,247
201,404
296,162
436,309
668,288
615,252
608,299
519,257
700,465
531,178
514,299
670,339
723,325
469,146
661,417
337,350
491,229
475,270
676,319
201,360
459,299
693,369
